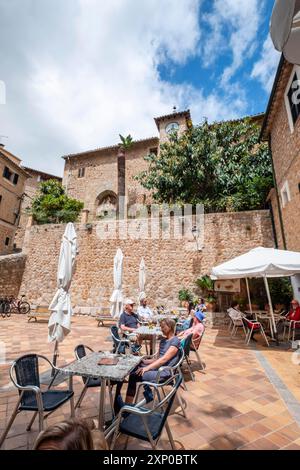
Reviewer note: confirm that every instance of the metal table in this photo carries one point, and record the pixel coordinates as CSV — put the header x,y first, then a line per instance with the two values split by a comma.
x,y
160,317
152,332
88,367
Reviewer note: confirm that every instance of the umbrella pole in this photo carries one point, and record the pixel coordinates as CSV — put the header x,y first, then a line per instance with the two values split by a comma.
x,y
271,309
249,298
55,356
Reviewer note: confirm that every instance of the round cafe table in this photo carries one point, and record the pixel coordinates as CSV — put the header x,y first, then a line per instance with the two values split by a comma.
x,y
146,332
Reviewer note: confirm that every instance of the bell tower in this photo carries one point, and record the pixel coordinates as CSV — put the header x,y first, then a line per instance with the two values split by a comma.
x,y
178,121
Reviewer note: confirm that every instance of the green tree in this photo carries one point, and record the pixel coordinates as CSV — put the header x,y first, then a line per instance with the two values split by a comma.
x,y
52,205
221,165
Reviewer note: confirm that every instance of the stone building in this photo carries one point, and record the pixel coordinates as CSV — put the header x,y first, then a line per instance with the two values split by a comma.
x,y
12,183
99,177
281,127
35,177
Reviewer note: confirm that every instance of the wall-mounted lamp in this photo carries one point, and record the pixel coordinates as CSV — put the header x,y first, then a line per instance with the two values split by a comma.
x,y
196,234
89,227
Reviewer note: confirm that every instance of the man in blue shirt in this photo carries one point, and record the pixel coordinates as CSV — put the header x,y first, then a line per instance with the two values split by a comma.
x,y
129,322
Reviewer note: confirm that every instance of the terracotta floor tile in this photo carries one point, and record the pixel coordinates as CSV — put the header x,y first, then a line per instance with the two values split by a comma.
x,y
264,444
292,446
226,406
279,439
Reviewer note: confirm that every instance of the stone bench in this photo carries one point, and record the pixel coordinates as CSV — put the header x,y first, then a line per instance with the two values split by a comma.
x,y
39,312
105,316
101,314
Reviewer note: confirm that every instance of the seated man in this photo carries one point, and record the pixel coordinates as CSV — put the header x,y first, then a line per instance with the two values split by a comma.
x,y
148,369
235,314
144,312
237,317
293,315
129,322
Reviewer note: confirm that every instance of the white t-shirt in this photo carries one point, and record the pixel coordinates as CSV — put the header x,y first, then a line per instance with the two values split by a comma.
x,y
144,312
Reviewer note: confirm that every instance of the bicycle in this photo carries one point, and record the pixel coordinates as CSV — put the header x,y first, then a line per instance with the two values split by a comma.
x,y
4,307
19,305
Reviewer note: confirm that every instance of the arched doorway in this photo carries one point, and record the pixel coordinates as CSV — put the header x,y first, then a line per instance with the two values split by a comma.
x,y
106,205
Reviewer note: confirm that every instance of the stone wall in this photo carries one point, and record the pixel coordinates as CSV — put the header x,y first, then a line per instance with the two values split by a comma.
x,y
170,264
286,156
11,273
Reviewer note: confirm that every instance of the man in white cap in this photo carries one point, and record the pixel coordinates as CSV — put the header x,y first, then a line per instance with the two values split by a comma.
x,y
129,321
144,312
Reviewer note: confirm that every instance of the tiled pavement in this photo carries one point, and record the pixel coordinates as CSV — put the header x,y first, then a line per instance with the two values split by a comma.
x,y
233,405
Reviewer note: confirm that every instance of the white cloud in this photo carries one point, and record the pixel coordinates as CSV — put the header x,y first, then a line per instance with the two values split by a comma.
x,y
80,72
234,25
265,68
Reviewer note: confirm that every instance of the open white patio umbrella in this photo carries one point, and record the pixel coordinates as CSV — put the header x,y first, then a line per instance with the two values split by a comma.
x,y
59,325
260,262
285,30
142,280
117,295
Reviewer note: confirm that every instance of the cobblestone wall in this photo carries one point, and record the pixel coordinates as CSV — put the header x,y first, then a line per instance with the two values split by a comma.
x,y
170,264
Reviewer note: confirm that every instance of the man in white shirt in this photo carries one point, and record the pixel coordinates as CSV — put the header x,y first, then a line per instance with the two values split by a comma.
x,y
235,314
143,311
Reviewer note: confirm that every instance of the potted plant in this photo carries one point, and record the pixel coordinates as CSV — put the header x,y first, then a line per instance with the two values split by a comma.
x,y
211,303
206,284
185,296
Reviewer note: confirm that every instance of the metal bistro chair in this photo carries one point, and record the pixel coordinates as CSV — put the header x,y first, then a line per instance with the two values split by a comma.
x,y
291,325
186,345
173,370
120,344
254,326
236,324
144,423
89,382
194,348
24,374
230,323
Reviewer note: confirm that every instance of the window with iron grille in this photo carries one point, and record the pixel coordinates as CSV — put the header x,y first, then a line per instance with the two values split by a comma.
x,y
81,172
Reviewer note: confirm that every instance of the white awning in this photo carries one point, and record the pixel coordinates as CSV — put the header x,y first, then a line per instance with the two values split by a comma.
x,y
259,262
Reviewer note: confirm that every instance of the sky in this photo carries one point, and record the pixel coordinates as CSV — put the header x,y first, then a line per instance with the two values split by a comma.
x,y
77,73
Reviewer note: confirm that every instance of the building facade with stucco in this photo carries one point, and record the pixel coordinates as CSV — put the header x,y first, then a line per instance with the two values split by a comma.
x,y
12,184
281,127
100,177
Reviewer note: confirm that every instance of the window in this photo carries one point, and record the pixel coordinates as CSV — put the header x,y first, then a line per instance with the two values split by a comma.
x,y
7,240
7,174
81,172
10,176
292,97
285,194
154,150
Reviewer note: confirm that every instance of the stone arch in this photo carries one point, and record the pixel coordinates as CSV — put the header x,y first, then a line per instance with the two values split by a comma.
x,y
106,205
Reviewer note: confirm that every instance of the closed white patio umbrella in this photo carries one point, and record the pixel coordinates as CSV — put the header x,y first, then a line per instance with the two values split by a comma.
x,y
260,262
284,29
142,280
117,295
59,325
